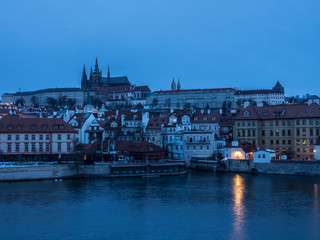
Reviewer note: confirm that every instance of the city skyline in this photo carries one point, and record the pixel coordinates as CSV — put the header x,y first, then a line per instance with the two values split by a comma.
x,y
206,44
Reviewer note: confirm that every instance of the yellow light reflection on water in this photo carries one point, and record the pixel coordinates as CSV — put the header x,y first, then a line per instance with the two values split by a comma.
x,y
238,208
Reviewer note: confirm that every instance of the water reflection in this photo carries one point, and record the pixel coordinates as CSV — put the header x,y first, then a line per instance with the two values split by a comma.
x,y
238,208
315,211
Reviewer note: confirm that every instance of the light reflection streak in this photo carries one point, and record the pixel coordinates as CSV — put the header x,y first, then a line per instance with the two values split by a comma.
x,y
238,208
315,211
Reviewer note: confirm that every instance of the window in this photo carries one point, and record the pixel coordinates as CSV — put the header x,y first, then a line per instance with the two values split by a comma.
x,y
311,132
289,132
26,147
297,122
17,147
271,142
311,121
277,142
47,147
298,149
289,142
304,122
249,133
298,141
263,133
283,141
59,147
283,132
26,137
298,132
243,133
59,136
40,137
69,146
17,137
271,123
277,132
69,138
277,123
47,137
304,132
283,123
9,147
271,133
9,137
289,122
253,133
41,147
33,147
263,142
33,137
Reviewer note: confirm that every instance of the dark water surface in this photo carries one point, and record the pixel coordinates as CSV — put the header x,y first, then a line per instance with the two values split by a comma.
x,y
198,206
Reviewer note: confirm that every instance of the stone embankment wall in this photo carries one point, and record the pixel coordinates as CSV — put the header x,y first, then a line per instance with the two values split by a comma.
x,y
203,165
311,168
288,168
21,173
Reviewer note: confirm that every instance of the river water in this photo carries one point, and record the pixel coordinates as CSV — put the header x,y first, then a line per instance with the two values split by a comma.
x,y
201,205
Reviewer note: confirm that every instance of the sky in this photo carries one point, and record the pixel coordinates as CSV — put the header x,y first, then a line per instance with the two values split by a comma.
x,y
247,44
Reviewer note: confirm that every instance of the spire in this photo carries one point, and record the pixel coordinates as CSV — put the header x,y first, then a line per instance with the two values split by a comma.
x,y
96,67
173,85
178,85
108,72
84,78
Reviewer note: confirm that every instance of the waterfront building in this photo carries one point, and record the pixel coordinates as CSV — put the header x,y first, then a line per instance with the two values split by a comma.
x,y
139,151
290,130
35,136
87,128
317,150
272,96
200,140
153,130
172,135
264,156
239,150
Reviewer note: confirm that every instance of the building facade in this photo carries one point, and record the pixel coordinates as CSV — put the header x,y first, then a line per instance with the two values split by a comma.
x,y
290,130
36,136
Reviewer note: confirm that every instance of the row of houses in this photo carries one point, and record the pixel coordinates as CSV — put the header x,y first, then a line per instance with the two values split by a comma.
x,y
288,130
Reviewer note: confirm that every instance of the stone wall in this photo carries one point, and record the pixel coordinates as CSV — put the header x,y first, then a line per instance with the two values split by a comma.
x,y
238,165
203,165
21,173
288,168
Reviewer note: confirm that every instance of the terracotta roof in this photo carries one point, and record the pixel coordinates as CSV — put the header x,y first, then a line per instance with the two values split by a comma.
x,y
247,147
156,122
140,147
205,117
10,124
249,92
196,90
279,112
80,118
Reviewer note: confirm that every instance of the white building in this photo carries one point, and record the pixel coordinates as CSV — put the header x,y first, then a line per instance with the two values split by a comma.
x,y
239,150
272,96
87,128
264,156
35,136
317,150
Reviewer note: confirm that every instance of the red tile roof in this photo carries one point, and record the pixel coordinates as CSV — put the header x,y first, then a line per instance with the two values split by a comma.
x,y
10,124
156,122
205,117
196,90
280,112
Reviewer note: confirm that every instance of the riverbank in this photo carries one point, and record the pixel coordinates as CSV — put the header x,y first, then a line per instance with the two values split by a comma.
x,y
62,171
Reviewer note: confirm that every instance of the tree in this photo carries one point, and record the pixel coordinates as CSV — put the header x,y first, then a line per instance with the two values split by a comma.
x,y
63,101
155,102
187,106
52,102
35,101
20,102
71,102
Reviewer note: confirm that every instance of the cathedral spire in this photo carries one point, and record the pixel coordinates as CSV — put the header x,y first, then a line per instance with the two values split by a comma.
x,y
178,85
108,72
96,67
173,85
84,78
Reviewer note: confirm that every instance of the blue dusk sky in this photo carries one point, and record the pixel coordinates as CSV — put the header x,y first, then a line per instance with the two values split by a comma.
x,y
247,44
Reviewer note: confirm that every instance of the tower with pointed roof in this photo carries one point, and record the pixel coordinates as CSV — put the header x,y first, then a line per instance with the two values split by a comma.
x,y
278,87
84,80
173,85
178,85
